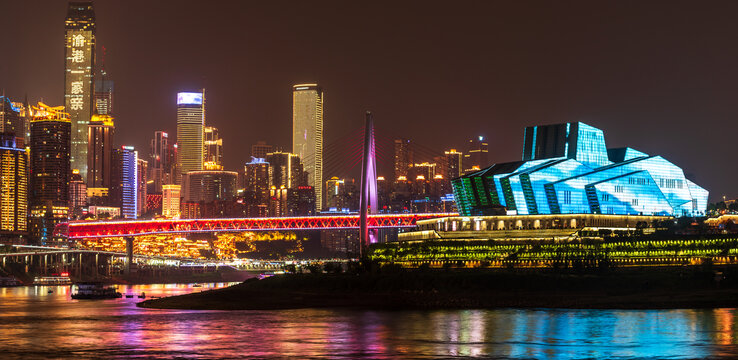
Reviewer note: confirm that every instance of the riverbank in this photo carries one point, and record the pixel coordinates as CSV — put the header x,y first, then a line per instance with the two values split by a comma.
x,y
645,288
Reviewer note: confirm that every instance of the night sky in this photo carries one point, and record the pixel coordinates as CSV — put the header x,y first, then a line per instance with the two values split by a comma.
x,y
661,77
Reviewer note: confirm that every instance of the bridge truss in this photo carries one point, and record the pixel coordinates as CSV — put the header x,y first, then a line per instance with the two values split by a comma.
x,y
100,229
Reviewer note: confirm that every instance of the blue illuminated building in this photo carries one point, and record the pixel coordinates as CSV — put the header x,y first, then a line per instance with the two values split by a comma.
x,y
567,169
125,182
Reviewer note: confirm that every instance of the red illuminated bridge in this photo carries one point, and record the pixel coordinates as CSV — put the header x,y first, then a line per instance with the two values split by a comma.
x,y
98,229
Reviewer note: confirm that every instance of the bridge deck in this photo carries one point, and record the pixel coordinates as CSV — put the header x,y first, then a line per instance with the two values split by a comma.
x,y
98,229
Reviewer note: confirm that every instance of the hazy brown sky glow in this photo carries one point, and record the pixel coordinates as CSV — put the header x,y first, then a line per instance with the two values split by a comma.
x,y
661,77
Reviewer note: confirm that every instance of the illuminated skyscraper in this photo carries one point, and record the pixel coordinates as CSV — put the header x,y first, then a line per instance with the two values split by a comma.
x,y
335,190
163,160
476,156
257,182
50,171
403,158
170,201
78,78
307,134
14,189
77,194
190,123
453,164
142,170
124,185
100,137
213,155
103,97
286,170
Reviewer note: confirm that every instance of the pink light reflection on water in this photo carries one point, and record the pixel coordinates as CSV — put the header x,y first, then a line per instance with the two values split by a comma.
x,y
35,323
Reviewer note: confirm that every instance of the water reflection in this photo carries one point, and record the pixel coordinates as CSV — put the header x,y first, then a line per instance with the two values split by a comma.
x,y
37,323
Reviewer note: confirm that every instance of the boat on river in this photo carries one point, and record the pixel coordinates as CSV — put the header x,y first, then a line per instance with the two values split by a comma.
x,y
52,280
95,290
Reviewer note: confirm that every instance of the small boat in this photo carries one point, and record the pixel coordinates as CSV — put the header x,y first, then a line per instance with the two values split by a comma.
x,y
197,285
50,291
128,296
142,296
95,290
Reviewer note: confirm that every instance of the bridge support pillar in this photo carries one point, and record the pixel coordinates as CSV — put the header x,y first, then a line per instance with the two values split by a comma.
x,y
129,254
368,193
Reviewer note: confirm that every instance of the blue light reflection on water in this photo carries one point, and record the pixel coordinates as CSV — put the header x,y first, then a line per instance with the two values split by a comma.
x,y
36,323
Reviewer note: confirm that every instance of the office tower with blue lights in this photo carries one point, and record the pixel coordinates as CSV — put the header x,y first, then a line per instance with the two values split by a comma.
x,y
123,190
79,58
190,132
307,134
50,171
567,169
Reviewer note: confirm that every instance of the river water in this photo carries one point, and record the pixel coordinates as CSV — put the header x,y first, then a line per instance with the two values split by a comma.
x,y
37,324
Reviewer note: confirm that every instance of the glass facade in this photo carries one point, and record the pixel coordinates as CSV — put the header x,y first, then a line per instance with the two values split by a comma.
x,y
190,132
567,169
307,134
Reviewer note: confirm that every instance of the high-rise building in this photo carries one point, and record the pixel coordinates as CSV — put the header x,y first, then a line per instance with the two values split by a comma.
x,y
77,194
403,158
476,156
170,201
14,190
307,134
100,137
286,170
209,185
341,194
278,201
26,113
301,201
190,123
50,170
79,57
103,96
260,149
426,170
124,184
335,189
454,167
142,170
257,180
11,120
213,153
163,160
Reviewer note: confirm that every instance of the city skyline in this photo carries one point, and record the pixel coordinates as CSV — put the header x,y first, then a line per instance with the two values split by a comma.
x,y
620,84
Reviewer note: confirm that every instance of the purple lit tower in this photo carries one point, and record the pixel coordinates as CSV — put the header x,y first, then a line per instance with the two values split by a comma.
x,y
368,197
